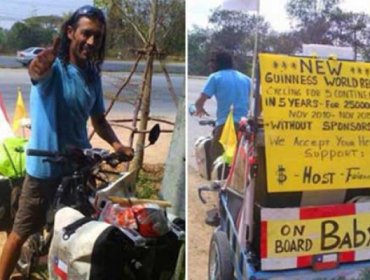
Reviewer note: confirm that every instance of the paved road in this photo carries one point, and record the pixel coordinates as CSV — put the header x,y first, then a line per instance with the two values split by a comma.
x,y
162,104
199,233
109,65
195,86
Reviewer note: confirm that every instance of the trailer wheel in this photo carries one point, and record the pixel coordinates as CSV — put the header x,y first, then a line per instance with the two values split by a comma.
x,y
220,265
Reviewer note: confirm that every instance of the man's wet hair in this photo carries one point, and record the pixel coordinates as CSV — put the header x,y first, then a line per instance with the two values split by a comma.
x,y
92,13
222,60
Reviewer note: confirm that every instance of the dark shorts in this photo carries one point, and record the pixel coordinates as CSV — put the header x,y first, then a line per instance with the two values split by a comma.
x,y
36,196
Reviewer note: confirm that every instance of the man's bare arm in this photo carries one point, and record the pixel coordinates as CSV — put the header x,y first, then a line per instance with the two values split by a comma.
x,y
199,105
105,131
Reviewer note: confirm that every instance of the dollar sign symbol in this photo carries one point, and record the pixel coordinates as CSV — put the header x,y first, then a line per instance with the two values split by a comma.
x,y
281,174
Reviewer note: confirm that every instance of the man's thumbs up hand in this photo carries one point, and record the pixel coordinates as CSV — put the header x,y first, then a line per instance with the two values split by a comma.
x,y
41,64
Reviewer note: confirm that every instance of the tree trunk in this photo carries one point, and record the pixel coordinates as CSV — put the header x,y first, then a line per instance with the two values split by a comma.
x,y
146,89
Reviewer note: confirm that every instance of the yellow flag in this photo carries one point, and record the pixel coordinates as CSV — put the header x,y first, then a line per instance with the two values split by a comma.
x,y
19,112
228,138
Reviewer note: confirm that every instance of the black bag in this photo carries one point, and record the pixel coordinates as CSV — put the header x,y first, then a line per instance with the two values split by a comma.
x,y
10,190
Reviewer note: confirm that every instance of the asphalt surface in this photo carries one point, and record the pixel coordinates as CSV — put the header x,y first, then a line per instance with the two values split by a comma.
x,y
162,104
195,86
109,65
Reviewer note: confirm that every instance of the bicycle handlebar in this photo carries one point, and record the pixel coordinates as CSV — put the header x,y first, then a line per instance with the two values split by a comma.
x,y
42,153
80,156
207,122
114,159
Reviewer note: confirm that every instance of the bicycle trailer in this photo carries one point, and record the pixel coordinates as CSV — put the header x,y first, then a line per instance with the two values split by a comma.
x,y
296,204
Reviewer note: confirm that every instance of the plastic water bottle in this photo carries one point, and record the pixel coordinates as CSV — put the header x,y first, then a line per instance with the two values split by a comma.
x,y
192,109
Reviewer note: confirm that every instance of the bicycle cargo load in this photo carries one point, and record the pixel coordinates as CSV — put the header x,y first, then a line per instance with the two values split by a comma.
x,y
10,190
83,248
202,149
148,219
5,191
12,157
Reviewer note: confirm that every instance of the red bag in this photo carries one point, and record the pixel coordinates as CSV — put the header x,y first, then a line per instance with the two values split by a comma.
x,y
148,219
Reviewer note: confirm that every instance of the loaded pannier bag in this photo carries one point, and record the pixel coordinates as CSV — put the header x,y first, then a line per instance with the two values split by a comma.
x,y
83,248
10,190
5,193
203,157
12,170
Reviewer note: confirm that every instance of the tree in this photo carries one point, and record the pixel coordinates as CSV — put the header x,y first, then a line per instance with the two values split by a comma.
x,y
232,31
284,43
171,31
313,22
323,22
198,51
235,32
46,22
17,36
128,22
309,11
312,18
3,39
34,31
351,29
150,23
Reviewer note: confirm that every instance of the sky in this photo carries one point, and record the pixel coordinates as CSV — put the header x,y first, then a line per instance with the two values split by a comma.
x,y
272,10
16,10
197,10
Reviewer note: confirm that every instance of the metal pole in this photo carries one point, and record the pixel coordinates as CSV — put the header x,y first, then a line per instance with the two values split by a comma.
x,y
247,223
254,62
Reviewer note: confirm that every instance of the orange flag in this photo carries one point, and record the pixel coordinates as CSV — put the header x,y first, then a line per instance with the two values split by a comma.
x,y
19,112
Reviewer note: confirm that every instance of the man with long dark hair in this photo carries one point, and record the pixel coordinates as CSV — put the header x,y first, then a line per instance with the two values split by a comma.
x,y
66,91
230,88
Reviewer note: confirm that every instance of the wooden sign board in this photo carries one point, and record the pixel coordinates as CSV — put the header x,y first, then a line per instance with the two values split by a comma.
x,y
316,116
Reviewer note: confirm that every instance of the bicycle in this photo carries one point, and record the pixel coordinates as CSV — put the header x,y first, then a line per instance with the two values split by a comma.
x,y
210,166
76,191
80,192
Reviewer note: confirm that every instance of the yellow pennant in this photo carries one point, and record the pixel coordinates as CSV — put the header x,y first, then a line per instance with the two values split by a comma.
x,y
19,112
228,138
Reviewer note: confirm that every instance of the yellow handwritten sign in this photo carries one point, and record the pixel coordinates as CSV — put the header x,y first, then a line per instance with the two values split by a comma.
x,y
308,237
317,123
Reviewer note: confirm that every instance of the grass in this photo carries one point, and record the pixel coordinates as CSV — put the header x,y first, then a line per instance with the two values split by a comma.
x,y
149,181
145,187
